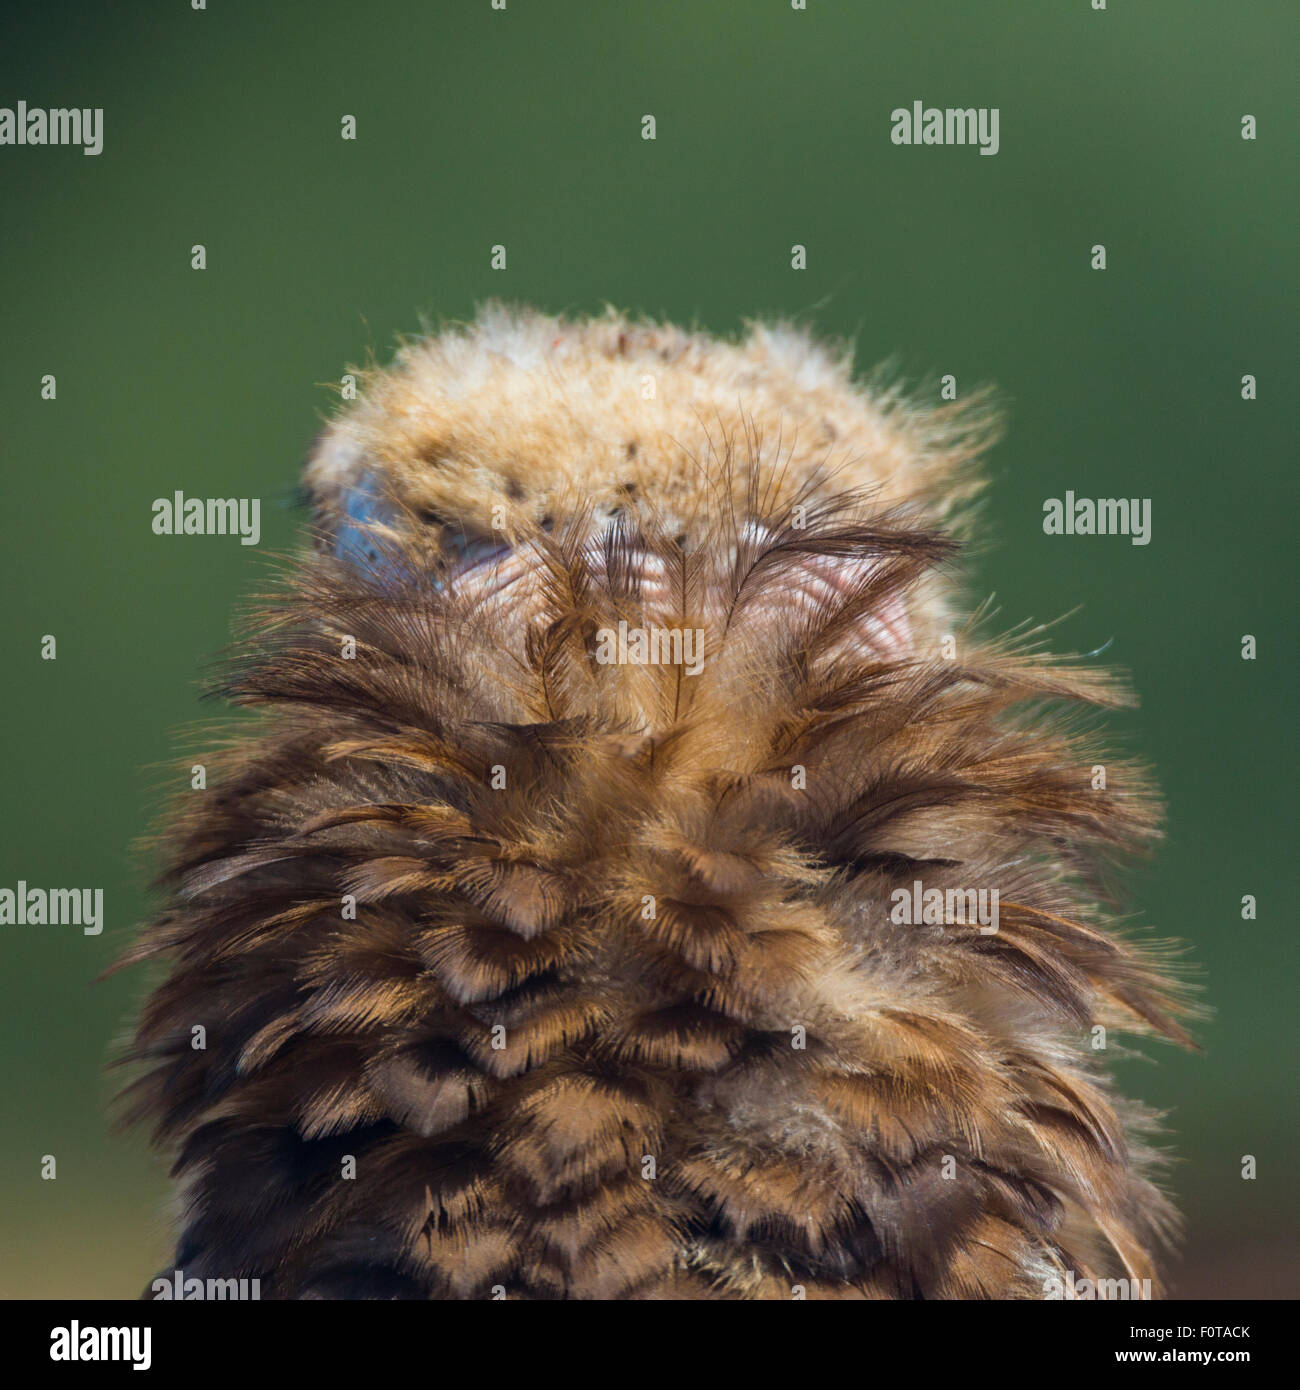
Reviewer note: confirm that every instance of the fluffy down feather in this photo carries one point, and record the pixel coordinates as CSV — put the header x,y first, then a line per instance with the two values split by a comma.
x,y
590,966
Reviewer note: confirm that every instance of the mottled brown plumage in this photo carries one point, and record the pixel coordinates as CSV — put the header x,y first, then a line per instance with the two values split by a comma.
x,y
591,967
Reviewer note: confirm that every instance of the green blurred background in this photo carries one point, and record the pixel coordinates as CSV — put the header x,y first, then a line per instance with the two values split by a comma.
x,y
524,127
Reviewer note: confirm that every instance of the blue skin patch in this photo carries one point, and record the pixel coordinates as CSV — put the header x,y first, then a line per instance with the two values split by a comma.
x,y
363,508
355,543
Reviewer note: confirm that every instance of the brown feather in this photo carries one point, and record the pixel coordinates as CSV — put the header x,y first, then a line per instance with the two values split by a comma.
x,y
589,967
